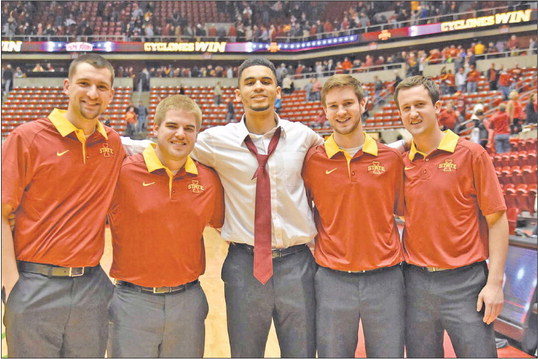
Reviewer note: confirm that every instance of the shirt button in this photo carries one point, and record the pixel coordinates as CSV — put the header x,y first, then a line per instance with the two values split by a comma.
x,y
427,159
353,173
173,191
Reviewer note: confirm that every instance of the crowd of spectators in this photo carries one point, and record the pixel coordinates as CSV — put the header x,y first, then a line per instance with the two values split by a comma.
x,y
463,57
248,21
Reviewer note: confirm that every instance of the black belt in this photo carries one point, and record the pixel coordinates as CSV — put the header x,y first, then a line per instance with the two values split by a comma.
x,y
438,269
157,290
54,271
371,271
275,253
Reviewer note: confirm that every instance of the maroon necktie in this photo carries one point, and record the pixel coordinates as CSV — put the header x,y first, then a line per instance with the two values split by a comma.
x,y
263,260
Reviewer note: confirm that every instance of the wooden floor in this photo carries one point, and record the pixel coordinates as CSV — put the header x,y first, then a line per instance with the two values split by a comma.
x,y
216,345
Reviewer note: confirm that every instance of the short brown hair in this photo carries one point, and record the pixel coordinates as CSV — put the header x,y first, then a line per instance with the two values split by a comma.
x,y
418,80
341,80
178,102
95,60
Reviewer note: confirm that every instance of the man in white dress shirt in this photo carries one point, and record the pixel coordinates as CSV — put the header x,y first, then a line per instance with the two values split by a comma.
x,y
288,295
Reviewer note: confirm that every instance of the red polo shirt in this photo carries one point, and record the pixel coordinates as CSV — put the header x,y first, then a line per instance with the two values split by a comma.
x,y
60,185
355,201
447,195
500,123
448,118
157,220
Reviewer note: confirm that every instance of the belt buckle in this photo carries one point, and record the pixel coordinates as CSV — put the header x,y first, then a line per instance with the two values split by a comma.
x,y
79,271
434,269
161,290
276,254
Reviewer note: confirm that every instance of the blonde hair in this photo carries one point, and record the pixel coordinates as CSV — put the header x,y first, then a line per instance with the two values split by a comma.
x,y
513,95
178,102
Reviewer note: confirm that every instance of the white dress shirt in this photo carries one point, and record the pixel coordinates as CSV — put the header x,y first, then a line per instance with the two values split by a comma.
x,y
223,148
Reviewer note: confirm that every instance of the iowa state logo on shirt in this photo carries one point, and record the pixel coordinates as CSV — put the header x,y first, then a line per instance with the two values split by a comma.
x,y
448,166
376,168
106,151
196,187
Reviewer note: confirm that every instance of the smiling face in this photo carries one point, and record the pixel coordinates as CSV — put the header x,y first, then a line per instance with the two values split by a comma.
x,y
419,114
176,136
257,90
344,110
90,92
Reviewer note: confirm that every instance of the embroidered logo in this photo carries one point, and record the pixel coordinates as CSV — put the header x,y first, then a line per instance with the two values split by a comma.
x,y
106,151
328,172
59,154
196,187
376,168
147,184
448,166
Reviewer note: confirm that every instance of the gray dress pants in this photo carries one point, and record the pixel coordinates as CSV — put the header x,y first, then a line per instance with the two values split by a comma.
x,y
287,299
58,316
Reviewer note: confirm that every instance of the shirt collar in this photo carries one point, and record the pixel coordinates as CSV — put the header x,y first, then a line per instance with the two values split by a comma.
x,y
448,143
153,162
242,130
370,146
64,127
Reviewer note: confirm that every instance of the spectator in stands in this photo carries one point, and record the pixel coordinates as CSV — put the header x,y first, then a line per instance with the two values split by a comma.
x,y
449,285
130,121
479,133
7,79
492,75
513,45
473,76
479,48
516,113
531,110
379,86
397,80
347,65
142,114
500,123
19,73
38,68
504,82
217,90
287,85
229,111
316,89
461,80
448,117
308,90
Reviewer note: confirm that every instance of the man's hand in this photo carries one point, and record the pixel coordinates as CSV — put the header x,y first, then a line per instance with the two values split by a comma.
x,y
492,297
8,283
